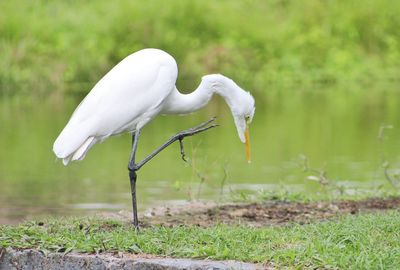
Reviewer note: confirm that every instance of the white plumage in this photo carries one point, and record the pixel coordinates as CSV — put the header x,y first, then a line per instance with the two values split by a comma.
x,y
137,89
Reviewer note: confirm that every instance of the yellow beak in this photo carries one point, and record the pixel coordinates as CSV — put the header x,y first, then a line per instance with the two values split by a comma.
x,y
247,144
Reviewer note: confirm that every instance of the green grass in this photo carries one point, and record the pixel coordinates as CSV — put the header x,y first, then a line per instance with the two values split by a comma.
x,y
56,46
325,193
365,241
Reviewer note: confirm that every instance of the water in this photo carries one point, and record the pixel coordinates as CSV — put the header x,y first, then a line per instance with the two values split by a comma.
x,y
335,128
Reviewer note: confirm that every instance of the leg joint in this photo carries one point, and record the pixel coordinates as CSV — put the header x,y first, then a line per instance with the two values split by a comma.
x,y
132,168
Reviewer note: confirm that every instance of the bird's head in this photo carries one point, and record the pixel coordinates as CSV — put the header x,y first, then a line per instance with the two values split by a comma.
x,y
240,101
243,111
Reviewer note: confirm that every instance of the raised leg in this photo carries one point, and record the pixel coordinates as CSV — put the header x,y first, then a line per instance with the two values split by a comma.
x,y
133,166
179,136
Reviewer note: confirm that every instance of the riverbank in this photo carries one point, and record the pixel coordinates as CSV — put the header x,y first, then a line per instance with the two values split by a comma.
x,y
343,234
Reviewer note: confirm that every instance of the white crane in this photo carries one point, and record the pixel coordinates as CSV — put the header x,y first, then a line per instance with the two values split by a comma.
x,y
131,94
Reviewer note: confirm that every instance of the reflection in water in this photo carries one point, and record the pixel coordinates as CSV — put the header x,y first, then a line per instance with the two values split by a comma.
x,y
335,129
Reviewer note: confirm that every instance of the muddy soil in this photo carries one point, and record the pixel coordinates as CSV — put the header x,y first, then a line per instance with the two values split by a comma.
x,y
261,214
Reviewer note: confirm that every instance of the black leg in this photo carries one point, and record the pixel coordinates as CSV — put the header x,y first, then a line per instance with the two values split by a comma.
x,y
133,166
132,176
135,139
180,136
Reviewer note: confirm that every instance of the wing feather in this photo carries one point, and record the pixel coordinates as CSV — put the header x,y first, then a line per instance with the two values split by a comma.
x,y
128,96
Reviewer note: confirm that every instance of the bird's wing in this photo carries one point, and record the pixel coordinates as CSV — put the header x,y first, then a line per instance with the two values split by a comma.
x,y
127,96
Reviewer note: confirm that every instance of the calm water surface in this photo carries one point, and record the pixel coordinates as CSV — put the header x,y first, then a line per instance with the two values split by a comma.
x,y
336,129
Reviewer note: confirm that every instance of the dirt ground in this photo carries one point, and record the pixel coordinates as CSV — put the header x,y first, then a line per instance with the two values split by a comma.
x,y
260,214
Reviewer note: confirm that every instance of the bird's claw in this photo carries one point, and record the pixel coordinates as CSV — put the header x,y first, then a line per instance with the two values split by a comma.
x,y
203,125
190,132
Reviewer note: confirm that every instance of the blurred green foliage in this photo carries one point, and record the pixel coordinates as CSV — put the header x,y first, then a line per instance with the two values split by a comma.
x,y
63,46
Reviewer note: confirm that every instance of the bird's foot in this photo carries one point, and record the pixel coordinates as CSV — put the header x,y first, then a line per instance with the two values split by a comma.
x,y
204,124
136,226
197,129
192,131
179,136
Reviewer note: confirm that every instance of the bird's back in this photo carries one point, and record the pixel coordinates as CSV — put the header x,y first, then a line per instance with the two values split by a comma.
x,y
125,99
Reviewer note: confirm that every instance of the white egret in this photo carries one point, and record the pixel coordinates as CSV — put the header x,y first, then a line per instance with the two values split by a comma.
x,y
131,94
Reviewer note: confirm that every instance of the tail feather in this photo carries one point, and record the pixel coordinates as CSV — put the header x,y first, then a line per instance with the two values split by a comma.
x,y
67,160
83,149
80,153
73,143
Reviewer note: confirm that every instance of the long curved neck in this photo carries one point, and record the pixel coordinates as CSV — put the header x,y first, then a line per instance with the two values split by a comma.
x,y
178,103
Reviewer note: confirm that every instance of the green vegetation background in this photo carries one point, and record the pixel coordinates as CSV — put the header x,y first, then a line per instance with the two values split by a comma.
x,y
63,46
